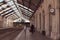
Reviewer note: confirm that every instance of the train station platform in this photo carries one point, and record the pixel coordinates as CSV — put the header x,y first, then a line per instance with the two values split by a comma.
x,y
29,36
18,34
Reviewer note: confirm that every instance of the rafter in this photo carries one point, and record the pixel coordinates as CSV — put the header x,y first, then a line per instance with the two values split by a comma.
x,y
7,13
11,14
4,11
26,9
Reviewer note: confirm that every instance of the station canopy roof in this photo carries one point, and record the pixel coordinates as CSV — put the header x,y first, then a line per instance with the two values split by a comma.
x,y
12,7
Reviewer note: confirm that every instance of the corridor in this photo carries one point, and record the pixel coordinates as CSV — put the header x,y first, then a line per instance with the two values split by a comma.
x,y
18,18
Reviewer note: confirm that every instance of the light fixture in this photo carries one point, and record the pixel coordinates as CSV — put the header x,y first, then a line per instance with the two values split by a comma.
x,y
52,11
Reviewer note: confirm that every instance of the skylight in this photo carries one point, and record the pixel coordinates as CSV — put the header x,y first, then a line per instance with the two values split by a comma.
x,y
1,0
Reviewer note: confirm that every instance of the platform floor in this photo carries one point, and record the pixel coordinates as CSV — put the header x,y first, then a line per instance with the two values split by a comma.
x,y
9,34
29,36
17,34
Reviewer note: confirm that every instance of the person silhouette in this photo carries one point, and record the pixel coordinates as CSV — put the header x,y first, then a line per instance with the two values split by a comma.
x,y
32,29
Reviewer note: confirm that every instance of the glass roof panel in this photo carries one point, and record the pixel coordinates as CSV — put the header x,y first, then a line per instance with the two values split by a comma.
x,y
26,12
4,6
12,6
1,0
10,3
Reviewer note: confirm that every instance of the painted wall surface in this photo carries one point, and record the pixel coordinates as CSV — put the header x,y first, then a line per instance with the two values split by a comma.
x,y
45,21
9,23
1,22
5,23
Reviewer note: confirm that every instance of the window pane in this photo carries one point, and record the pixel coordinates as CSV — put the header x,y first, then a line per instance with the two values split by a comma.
x,y
10,3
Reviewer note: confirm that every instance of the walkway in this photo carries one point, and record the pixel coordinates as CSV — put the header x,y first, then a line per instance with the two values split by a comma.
x,y
17,34
9,33
29,36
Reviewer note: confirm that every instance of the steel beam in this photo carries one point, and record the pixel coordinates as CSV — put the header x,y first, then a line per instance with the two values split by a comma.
x,y
7,13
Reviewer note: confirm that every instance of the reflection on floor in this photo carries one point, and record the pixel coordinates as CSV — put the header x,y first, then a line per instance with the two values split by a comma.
x,y
9,34
17,34
30,36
